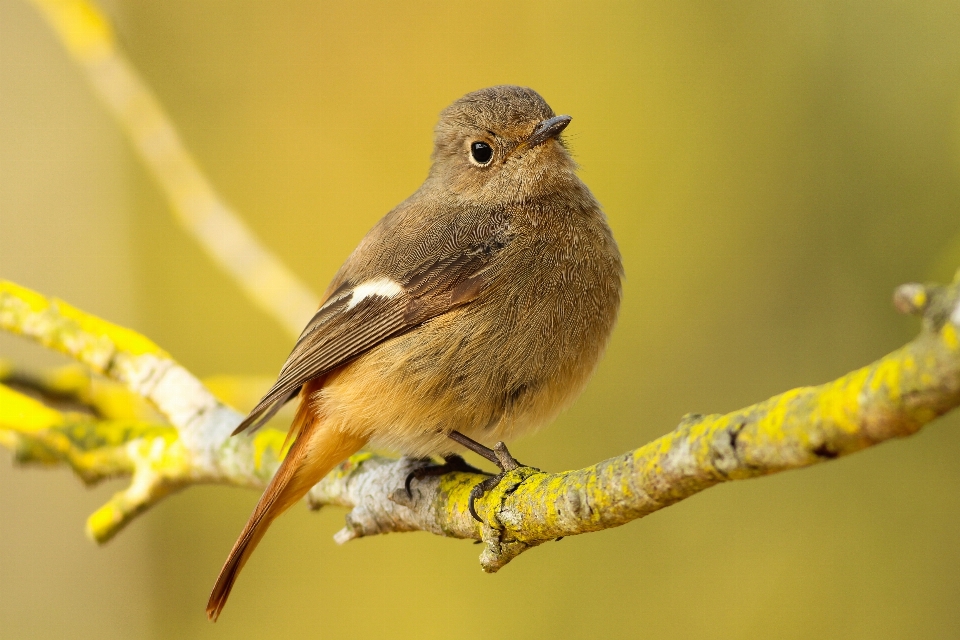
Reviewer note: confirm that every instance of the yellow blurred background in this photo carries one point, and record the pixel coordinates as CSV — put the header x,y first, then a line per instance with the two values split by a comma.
x,y
771,170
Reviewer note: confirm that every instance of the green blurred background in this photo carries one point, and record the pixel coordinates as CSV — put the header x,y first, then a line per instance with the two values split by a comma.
x,y
771,170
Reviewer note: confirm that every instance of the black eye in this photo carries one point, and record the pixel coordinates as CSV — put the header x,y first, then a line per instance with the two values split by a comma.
x,y
481,152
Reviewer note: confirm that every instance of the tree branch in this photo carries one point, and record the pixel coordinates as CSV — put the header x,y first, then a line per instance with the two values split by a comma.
x,y
200,449
893,397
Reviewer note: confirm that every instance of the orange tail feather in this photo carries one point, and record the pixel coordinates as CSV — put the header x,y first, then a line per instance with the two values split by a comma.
x,y
318,448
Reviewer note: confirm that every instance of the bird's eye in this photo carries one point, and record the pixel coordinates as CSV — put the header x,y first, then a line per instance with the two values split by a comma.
x,y
481,153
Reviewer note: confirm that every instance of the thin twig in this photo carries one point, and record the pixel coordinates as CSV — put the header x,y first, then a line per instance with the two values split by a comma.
x,y
88,38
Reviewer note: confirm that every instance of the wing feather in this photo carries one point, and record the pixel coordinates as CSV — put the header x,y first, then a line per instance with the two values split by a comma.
x,y
342,330
341,336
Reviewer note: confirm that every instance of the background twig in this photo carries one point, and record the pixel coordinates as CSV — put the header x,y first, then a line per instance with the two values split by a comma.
x,y
89,39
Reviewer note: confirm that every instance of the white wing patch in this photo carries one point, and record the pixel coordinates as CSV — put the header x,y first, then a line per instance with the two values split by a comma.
x,y
383,287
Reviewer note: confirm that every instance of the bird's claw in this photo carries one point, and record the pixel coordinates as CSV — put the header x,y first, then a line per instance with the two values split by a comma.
x,y
507,463
451,463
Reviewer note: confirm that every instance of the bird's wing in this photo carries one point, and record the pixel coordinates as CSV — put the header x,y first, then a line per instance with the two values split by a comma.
x,y
357,316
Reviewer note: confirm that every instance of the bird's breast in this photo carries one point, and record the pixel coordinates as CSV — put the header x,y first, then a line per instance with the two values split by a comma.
x,y
501,365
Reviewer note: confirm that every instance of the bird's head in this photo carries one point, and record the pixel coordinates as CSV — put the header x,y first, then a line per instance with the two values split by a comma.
x,y
501,145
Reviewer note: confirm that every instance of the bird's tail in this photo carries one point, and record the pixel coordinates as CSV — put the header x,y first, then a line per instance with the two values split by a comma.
x,y
319,446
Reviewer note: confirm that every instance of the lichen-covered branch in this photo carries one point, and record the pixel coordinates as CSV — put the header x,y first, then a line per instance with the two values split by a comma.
x,y
195,446
893,397
74,388
88,38
123,355
96,449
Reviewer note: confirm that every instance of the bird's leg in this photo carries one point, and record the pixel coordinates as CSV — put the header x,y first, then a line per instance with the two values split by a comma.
x,y
477,448
451,463
499,456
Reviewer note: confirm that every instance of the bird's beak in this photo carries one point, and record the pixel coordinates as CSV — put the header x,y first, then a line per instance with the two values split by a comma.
x,y
547,129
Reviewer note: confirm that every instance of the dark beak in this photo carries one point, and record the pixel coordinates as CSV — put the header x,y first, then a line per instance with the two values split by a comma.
x,y
547,129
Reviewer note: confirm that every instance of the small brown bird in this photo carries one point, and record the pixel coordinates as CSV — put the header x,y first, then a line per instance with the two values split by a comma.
x,y
471,313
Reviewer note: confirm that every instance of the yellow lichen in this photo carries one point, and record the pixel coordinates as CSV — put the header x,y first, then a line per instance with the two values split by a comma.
x,y
949,333
264,440
124,340
14,298
102,521
919,300
24,414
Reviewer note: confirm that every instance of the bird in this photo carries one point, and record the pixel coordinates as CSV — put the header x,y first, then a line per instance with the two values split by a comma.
x,y
473,312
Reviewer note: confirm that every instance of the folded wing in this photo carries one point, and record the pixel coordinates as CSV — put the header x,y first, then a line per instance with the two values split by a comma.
x,y
358,316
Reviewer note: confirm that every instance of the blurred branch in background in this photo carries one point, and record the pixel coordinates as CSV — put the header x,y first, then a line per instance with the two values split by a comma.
x,y
893,397
86,33
73,388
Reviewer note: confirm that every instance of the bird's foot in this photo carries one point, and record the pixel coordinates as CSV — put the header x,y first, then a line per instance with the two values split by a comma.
x,y
507,463
499,455
451,463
